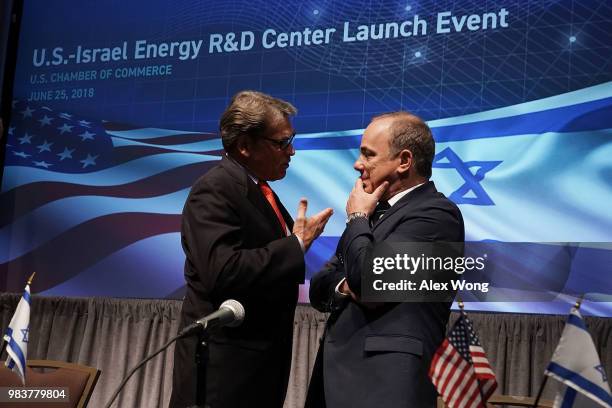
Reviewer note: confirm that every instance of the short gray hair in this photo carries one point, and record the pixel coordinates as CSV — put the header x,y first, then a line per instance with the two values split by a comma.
x,y
249,114
410,132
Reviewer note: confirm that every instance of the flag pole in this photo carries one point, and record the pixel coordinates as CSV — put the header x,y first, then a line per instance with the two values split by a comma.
x,y
463,315
540,391
543,384
3,347
4,343
461,307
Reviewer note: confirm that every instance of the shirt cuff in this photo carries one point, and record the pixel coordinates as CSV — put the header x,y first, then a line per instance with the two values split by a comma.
x,y
301,244
338,288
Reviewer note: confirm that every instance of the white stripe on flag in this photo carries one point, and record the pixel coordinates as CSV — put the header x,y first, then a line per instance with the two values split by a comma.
x,y
456,373
459,391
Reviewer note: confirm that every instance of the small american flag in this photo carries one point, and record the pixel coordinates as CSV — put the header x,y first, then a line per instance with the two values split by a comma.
x,y
460,369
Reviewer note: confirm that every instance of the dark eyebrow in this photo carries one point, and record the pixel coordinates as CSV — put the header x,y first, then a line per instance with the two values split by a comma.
x,y
365,150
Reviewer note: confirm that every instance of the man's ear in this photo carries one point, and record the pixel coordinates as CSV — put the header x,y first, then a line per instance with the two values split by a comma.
x,y
243,146
406,161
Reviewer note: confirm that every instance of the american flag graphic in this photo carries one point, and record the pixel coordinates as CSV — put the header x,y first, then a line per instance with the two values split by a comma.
x,y
76,192
460,369
94,207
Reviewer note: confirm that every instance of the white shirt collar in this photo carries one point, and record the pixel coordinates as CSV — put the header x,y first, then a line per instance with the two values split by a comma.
x,y
399,195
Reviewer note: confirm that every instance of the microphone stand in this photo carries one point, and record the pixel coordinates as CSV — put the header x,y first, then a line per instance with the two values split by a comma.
x,y
201,356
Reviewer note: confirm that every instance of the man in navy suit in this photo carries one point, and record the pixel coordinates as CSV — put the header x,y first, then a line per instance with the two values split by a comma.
x,y
378,355
241,243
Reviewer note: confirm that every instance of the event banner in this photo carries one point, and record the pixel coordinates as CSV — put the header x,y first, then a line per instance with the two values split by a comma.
x,y
116,108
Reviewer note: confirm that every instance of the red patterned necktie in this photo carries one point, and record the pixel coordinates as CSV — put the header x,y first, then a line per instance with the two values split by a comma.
x,y
267,192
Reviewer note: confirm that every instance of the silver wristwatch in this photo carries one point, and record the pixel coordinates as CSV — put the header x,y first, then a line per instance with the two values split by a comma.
x,y
356,215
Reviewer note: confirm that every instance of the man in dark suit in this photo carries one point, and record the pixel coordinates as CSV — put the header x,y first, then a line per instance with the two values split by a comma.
x,y
241,243
378,355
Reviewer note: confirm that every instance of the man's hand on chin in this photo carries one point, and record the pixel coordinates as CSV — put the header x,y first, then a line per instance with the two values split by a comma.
x,y
362,202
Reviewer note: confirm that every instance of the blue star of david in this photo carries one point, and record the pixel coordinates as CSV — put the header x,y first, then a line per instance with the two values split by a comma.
x,y
601,370
25,333
448,159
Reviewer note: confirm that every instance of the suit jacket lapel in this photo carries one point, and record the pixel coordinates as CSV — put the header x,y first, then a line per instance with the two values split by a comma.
x,y
286,216
254,194
411,198
259,200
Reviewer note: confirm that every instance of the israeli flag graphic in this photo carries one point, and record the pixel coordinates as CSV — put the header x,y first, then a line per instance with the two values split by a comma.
x,y
576,365
17,336
495,165
537,172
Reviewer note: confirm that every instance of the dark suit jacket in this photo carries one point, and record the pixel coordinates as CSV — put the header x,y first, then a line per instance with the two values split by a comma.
x,y
380,357
235,248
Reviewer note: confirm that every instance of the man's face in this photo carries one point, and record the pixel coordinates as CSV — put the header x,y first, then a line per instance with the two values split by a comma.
x,y
267,159
374,163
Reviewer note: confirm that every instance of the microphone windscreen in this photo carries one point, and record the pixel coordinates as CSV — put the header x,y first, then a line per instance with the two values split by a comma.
x,y
236,308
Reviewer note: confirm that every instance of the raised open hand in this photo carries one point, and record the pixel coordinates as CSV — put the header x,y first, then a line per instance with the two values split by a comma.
x,y
308,229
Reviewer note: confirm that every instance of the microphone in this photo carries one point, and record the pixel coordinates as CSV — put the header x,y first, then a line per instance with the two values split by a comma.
x,y
230,313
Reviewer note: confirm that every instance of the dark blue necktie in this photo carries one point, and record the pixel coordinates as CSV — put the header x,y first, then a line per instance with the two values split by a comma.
x,y
379,211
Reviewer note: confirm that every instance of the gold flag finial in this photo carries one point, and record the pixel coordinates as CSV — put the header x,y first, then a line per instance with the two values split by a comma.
x,y
31,278
579,302
460,303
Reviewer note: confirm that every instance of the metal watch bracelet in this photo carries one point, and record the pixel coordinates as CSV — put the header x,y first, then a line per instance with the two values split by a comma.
x,y
356,215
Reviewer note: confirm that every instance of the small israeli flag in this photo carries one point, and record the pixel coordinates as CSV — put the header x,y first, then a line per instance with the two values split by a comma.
x,y
576,365
17,336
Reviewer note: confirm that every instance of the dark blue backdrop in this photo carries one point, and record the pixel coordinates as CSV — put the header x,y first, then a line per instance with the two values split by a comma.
x,y
101,154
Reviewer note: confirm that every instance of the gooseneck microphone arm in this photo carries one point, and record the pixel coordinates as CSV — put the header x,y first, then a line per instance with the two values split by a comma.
x,y
143,362
230,313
